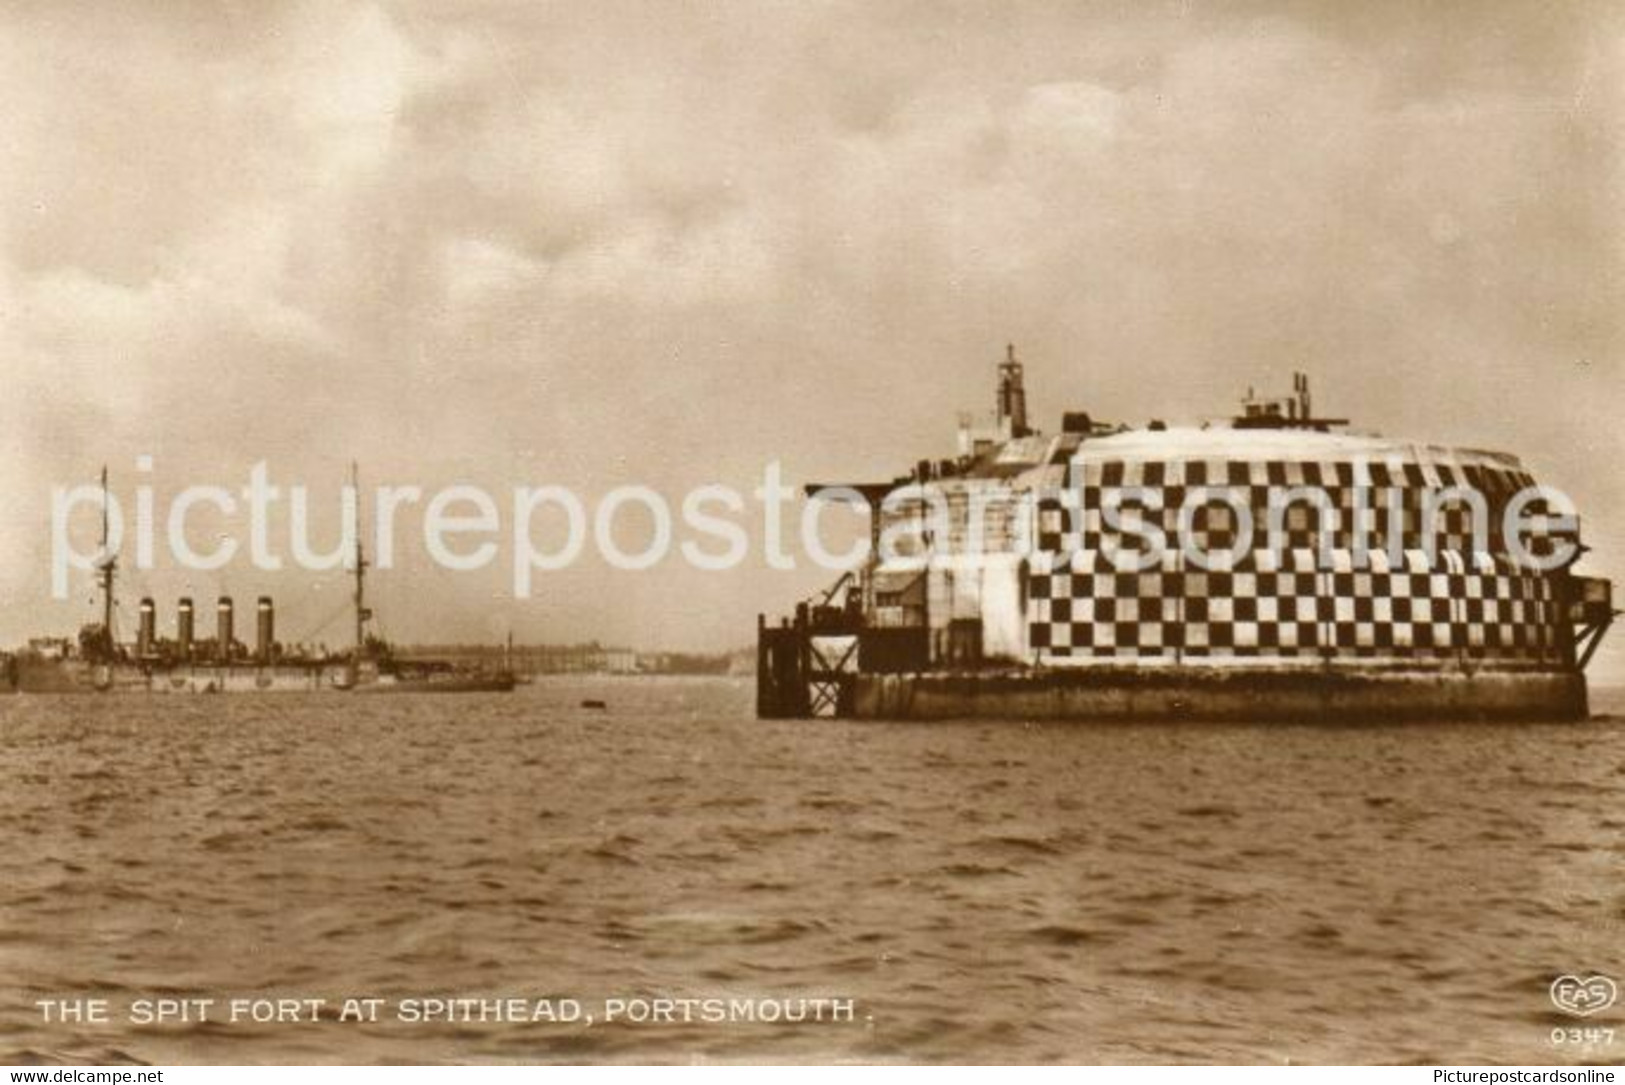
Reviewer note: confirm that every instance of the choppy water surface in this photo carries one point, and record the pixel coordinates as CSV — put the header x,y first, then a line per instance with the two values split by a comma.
x,y
982,890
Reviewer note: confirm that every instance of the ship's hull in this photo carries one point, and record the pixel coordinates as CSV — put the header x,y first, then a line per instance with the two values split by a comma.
x,y
1223,694
79,676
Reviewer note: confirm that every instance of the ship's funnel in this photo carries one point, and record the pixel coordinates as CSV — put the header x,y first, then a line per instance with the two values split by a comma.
x,y
223,634
147,631
183,628
266,629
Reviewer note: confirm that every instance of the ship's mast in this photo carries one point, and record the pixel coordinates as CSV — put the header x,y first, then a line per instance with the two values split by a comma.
x,y
108,563
361,612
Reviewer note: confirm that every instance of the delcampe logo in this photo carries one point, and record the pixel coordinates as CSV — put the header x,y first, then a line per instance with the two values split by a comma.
x,y
1584,997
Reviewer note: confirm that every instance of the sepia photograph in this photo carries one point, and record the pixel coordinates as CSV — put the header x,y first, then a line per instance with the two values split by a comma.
x,y
804,532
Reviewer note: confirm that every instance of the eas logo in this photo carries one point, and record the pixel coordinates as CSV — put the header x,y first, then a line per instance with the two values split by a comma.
x,y
1583,997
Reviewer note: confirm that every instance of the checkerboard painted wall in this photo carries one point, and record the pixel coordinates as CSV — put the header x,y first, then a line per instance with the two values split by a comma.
x,y
1469,600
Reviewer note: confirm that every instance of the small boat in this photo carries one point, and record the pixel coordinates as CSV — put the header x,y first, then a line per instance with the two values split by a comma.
x,y
450,682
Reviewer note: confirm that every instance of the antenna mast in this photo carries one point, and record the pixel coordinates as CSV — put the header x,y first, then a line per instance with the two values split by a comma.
x,y
361,611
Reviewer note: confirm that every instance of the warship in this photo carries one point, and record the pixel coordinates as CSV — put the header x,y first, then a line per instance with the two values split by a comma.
x,y
97,661
1032,576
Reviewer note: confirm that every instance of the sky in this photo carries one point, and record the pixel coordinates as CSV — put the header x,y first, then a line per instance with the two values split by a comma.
x,y
665,244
